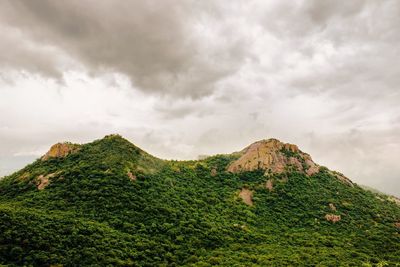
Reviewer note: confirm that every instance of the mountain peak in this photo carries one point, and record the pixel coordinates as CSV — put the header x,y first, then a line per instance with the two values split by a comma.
x,y
63,149
274,156
117,140
114,136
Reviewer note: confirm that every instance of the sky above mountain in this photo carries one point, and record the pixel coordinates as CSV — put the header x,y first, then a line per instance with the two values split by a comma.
x,y
187,78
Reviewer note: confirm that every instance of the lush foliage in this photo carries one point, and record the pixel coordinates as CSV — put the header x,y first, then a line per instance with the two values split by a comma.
x,y
186,213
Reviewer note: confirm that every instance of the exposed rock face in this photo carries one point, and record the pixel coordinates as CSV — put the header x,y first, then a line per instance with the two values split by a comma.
x,y
273,156
44,180
332,218
247,196
60,150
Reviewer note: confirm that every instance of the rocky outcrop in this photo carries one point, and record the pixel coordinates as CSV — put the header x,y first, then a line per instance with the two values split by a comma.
x,y
332,218
132,177
60,150
247,196
274,156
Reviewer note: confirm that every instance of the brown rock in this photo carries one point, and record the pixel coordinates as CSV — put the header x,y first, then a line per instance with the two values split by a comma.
x,y
291,147
270,156
332,206
247,196
332,218
213,172
312,168
60,150
132,177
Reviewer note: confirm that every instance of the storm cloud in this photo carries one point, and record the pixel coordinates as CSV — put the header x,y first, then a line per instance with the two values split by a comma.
x,y
157,44
186,78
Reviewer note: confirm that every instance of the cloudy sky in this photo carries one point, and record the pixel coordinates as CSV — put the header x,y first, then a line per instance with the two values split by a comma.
x,y
187,78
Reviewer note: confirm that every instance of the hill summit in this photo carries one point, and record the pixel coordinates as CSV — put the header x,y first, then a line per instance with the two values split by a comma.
x,y
273,156
109,202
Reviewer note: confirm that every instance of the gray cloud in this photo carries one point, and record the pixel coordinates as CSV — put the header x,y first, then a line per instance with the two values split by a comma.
x,y
155,43
22,55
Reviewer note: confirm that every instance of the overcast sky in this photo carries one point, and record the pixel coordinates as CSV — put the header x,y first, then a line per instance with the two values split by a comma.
x,y
187,78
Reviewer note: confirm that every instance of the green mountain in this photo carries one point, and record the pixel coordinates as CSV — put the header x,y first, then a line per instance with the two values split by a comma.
x,y
109,203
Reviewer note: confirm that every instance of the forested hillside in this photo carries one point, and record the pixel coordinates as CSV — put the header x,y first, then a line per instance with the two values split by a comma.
x,y
109,203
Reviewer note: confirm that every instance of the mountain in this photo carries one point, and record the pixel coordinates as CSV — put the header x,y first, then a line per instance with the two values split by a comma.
x,y
109,203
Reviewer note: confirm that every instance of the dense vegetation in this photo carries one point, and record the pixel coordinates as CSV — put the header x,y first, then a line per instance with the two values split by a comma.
x,y
186,213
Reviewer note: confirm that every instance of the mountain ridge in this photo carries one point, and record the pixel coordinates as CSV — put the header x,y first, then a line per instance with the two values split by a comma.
x,y
273,156
111,203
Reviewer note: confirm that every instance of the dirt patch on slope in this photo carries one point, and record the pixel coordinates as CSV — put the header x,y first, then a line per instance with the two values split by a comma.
x,y
269,185
44,180
247,196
